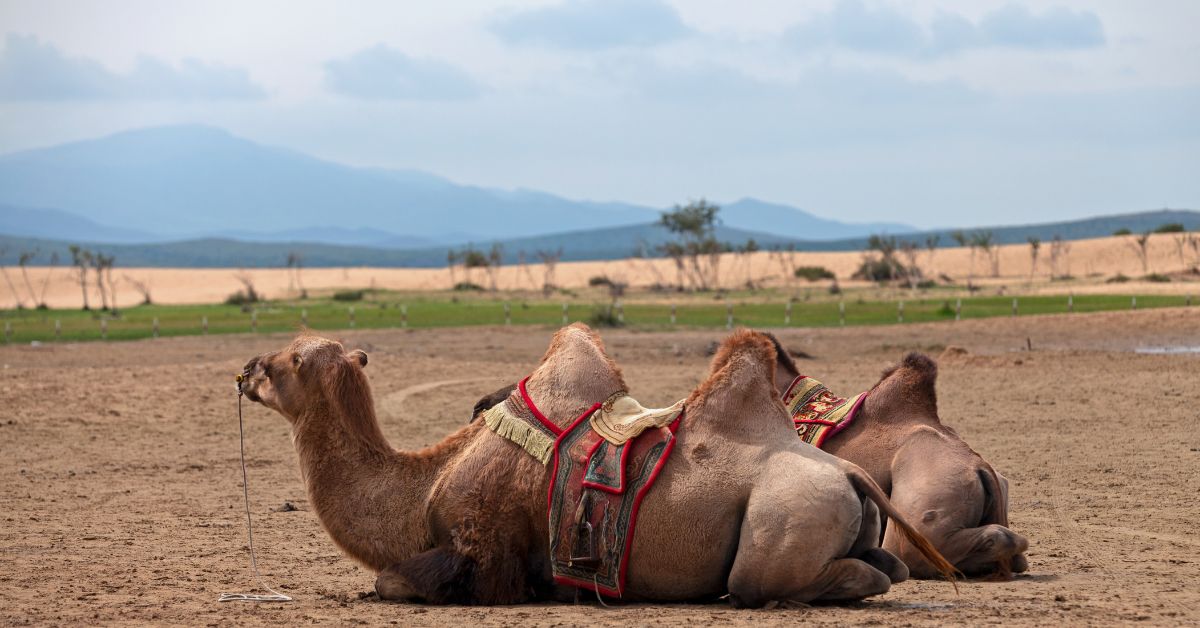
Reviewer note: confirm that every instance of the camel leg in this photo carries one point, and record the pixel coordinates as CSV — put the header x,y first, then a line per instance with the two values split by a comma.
x,y
436,576
785,559
984,550
885,562
866,547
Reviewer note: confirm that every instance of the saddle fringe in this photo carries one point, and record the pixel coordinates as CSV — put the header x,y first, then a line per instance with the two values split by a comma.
x,y
535,443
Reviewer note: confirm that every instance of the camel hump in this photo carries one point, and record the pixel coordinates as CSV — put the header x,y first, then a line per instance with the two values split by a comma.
x,y
914,380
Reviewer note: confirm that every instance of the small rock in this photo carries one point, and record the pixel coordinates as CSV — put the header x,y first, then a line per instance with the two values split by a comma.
x,y
287,507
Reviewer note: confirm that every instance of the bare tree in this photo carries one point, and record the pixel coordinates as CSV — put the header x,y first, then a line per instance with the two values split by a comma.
x,y
142,287
1034,245
41,302
1181,241
985,241
1140,244
295,262
451,265
549,261
912,272
473,258
967,242
22,260
99,260
494,259
109,263
1060,251
81,259
931,244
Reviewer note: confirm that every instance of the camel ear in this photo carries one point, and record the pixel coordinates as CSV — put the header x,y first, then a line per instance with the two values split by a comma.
x,y
297,361
360,356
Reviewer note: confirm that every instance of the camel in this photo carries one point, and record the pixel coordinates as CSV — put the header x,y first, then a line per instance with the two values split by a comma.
x,y
738,507
953,495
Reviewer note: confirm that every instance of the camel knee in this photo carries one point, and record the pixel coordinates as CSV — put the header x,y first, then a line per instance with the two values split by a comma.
x,y
391,585
850,579
437,576
885,562
993,548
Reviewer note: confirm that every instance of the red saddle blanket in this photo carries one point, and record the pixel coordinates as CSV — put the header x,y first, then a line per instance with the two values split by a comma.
x,y
596,487
818,413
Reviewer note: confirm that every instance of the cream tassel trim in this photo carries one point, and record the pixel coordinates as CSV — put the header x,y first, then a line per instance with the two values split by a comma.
x,y
524,435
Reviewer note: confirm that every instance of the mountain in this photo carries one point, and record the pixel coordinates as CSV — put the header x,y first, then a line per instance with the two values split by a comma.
x,y
755,215
57,224
595,244
188,182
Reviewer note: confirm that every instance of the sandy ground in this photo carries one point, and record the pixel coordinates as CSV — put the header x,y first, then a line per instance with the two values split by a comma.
x,y
121,497
1091,261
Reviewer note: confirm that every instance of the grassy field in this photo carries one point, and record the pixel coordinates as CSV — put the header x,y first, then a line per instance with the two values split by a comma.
x,y
394,310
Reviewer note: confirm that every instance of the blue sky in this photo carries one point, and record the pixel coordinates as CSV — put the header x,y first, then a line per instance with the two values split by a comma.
x,y
931,113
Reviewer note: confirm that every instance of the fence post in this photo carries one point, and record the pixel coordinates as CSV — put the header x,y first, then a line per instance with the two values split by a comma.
x,y
729,316
104,329
404,315
900,311
304,317
204,325
351,317
154,328
1133,302
673,313
507,313
1014,306
7,332
1070,302
787,314
58,329
254,321
1189,301
958,309
564,319
620,312
842,313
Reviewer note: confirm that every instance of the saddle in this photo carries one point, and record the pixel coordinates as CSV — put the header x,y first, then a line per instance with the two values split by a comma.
x,y
817,413
604,463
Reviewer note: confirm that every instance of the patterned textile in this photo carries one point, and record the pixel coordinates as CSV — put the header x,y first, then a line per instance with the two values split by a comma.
x,y
817,412
596,486
596,490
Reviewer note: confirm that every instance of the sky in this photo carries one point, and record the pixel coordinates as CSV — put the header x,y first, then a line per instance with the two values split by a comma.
x,y
930,113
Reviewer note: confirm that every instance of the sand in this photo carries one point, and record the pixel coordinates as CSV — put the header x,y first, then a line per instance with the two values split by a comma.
x,y
121,497
1089,261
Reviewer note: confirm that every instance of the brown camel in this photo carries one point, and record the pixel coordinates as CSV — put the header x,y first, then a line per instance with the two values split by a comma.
x,y
739,508
934,478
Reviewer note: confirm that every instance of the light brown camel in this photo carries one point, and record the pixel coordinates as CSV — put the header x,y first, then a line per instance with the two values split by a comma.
x,y
739,507
953,496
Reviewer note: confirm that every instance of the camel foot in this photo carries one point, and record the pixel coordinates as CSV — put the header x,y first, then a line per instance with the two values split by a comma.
x,y
885,561
850,579
390,585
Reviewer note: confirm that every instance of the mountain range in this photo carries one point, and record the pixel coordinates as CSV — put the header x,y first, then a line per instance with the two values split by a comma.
x,y
189,182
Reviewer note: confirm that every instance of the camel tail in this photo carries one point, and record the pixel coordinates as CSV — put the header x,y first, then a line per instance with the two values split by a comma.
x,y
997,506
867,486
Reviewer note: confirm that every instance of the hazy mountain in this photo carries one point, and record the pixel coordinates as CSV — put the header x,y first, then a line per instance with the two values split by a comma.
x,y
196,181
787,221
60,225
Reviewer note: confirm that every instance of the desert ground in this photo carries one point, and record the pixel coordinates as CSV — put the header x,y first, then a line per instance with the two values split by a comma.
x,y
1090,262
122,500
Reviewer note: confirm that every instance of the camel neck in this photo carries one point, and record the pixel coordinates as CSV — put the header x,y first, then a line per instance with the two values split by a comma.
x,y
359,485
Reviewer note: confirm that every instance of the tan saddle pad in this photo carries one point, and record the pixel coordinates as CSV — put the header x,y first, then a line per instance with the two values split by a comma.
x,y
622,418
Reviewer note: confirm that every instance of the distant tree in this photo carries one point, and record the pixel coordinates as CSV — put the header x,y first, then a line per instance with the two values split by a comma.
x,y
109,262
295,261
452,264
931,244
1123,231
41,302
473,258
142,287
912,272
1060,251
11,286
523,264
81,259
695,226
1034,245
886,246
22,261
495,258
1171,227
99,261
985,241
549,259
1141,247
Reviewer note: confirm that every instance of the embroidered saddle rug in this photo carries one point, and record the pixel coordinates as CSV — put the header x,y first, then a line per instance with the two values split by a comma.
x,y
817,412
604,463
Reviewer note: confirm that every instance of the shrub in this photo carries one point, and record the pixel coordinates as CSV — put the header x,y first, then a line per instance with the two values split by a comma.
x,y
1122,232
926,284
814,273
466,286
1170,227
1157,278
946,310
1118,278
600,280
879,270
349,295
243,297
604,316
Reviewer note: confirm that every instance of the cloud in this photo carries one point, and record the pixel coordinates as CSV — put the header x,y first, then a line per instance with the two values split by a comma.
x,y
593,24
31,70
880,29
383,73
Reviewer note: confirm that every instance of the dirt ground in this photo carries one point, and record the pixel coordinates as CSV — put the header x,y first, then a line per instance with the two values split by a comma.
x,y
121,497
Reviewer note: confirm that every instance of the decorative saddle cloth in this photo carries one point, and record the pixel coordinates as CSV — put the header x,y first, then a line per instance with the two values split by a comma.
x,y
604,463
817,412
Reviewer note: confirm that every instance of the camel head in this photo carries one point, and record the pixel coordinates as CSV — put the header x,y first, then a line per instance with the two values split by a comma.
x,y
301,376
